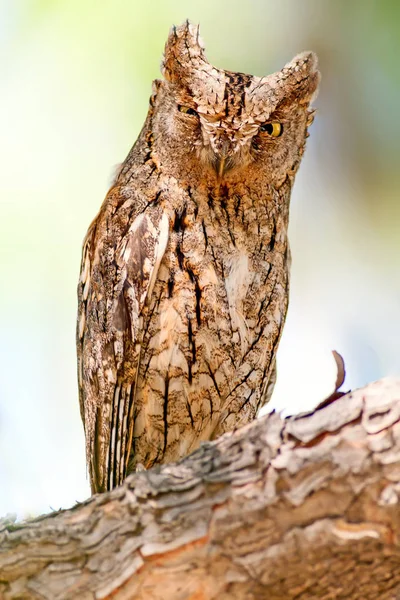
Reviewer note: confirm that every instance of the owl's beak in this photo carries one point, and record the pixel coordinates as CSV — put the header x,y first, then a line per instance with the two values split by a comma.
x,y
223,158
220,166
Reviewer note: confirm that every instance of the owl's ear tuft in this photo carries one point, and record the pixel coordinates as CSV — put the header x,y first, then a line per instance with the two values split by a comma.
x,y
184,53
300,78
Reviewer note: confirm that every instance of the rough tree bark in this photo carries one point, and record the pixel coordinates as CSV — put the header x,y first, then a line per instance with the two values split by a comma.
x,y
302,508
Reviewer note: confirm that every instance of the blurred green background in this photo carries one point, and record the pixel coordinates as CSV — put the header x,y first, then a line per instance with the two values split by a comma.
x,y
75,81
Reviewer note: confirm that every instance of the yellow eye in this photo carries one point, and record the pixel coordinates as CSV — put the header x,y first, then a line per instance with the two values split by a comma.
x,y
187,110
274,128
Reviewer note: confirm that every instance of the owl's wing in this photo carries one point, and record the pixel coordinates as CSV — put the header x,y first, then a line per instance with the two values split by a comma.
x,y
116,282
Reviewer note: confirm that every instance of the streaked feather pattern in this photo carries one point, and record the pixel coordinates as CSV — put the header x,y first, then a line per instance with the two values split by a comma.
x,y
109,360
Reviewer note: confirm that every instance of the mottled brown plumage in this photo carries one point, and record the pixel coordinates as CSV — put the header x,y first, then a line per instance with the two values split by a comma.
x,y
185,271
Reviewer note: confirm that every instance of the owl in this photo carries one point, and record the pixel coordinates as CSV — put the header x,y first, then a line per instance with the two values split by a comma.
x,y
184,281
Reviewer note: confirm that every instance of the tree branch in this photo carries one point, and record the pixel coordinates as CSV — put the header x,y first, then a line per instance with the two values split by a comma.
x,y
302,508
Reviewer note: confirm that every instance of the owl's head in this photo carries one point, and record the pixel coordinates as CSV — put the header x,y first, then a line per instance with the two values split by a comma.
x,y
210,124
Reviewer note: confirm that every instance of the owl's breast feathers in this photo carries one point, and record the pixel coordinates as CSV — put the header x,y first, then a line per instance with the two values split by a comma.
x,y
181,304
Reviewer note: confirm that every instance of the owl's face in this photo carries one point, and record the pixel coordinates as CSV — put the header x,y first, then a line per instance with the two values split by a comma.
x,y
211,124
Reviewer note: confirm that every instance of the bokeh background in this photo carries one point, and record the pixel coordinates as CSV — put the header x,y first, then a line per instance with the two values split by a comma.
x,y
75,80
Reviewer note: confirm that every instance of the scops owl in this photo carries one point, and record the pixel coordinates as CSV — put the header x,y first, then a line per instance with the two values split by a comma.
x,y
184,279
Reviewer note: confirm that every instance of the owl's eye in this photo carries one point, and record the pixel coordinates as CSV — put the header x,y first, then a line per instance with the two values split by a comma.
x,y
187,110
274,128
